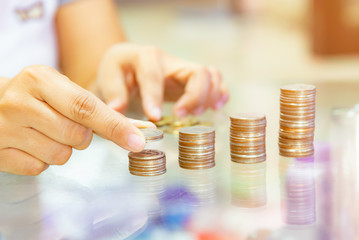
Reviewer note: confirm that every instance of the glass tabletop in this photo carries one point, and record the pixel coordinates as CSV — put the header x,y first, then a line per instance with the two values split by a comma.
x,y
94,196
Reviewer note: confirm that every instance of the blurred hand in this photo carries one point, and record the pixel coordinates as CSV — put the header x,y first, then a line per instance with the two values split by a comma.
x,y
43,115
126,66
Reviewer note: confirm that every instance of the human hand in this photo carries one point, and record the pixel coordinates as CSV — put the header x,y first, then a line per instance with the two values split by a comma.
x,y
126,66
43,115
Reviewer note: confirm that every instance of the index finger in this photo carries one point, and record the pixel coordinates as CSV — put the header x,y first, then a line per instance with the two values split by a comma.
x,y
85,108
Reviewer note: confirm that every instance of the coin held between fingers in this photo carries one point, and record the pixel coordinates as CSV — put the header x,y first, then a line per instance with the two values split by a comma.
x,y
152,134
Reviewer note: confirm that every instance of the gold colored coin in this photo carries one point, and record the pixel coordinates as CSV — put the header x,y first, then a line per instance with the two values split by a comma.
x,y
172,124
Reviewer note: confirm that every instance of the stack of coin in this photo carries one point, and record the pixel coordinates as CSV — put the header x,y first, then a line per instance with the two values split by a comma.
x,y
297,115
147,162
247,138
196,147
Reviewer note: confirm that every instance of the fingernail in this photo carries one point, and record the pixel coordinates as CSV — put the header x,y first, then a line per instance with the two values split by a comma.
x,y
156,113
198,111
136,142
181,112
115,103
224,99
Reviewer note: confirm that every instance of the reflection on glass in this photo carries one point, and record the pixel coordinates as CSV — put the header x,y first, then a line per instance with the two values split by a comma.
x,y
151,190
297,190
200,183
248,184
31,209
345,172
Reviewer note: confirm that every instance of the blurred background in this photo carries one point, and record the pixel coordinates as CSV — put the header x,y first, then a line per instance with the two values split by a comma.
x,y
259,45
263,40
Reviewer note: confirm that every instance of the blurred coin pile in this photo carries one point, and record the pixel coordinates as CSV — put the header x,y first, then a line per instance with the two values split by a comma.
x,y
172,124
196,147
148,162
297,116
247,138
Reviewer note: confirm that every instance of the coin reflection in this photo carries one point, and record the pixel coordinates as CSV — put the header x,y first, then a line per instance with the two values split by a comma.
x,y
151,190
200,183
248,184
297,190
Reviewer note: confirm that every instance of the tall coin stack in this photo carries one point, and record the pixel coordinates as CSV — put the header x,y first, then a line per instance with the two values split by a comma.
x,y
297,116
196,147
148,162
247,138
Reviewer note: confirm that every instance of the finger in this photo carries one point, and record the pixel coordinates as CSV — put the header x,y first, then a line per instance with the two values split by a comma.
x,y
142,124
197,82
224,96
21,163
83,107
150,80
57,127
196,93
41,147
215,95
112,84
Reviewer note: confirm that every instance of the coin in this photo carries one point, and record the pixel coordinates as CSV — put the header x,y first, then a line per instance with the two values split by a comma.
x,y
148,162
247,137
196,147
172,124
166,120
297,120
152,134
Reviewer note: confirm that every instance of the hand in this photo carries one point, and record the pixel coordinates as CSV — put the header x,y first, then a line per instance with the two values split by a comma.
x,y
43,115
126,66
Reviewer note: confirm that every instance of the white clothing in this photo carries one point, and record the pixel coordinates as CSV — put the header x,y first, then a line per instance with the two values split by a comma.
x,y
27,34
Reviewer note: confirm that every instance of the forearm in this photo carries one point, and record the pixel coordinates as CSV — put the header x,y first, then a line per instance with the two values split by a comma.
x,y
84,37
3,82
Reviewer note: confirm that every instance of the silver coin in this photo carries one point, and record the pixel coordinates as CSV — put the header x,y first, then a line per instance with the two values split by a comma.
x,y
152,134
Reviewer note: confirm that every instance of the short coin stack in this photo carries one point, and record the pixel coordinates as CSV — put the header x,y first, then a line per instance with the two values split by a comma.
x,y
297,116
247,138
196,147
148,162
